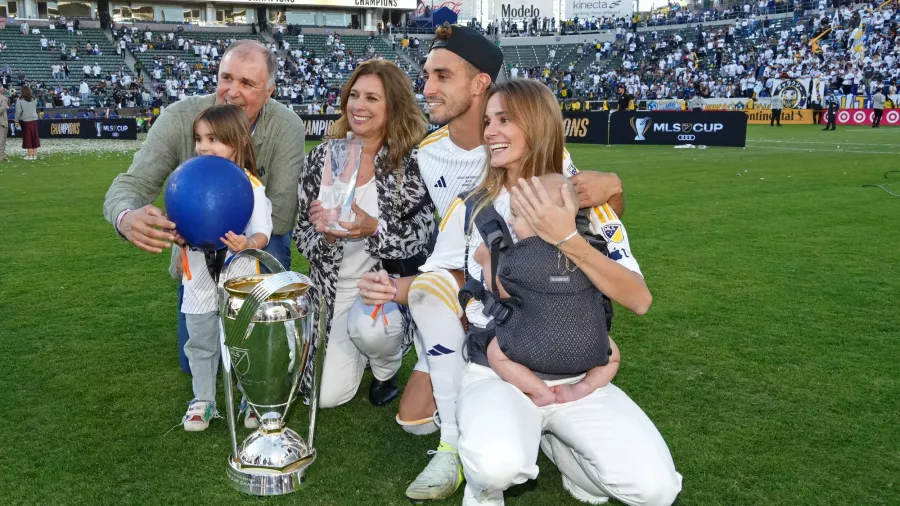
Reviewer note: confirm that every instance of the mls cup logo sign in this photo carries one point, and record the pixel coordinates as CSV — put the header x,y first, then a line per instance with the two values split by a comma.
x,y
640,127
99,128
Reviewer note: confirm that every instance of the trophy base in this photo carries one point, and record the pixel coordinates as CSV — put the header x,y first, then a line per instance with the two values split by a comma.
x,y
270,463
264,482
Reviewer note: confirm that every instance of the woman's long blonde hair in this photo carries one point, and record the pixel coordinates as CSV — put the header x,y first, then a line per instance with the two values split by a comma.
x,y
405,126
530,105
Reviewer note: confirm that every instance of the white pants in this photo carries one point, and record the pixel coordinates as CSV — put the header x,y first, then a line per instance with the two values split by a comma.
x,y
355,336
433,302
603,444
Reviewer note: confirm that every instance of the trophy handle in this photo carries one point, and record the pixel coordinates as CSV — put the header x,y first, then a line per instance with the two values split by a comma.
x,y
257,296
318,365
265,258
229,393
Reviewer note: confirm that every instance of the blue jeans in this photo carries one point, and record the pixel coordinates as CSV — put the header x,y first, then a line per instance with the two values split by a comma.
x,y
182,333
279,247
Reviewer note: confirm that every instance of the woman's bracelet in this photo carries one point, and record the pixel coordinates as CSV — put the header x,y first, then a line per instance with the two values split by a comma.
x,y
255,246
581,260
566,240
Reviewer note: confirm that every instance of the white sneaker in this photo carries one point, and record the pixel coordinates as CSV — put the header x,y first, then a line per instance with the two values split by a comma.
x,y
251,421
198,415
441,477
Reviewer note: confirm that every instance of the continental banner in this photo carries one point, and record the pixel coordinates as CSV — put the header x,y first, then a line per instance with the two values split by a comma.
x,y
788,117
586,127
710,128
82,128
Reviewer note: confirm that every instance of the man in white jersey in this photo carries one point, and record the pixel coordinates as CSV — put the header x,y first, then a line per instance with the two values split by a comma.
x,y
460,68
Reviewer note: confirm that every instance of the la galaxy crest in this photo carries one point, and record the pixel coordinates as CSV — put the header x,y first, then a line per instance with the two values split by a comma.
x,y
613,232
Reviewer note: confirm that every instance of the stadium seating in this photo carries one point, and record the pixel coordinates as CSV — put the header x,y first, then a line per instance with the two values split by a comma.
x,y
24,54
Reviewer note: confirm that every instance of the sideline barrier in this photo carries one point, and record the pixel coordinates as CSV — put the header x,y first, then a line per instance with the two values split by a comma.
x,y
891,117
82,128
712,128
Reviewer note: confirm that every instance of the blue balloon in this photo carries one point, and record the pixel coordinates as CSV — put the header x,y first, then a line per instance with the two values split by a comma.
x,y
207,197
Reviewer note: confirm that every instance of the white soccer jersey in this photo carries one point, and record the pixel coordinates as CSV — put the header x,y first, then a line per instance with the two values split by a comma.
x,y
199,289
447,169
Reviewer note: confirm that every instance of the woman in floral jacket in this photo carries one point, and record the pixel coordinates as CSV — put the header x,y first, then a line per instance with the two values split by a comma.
x,y
394,219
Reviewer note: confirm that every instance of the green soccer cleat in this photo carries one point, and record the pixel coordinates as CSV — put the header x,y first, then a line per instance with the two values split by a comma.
x,y
441,477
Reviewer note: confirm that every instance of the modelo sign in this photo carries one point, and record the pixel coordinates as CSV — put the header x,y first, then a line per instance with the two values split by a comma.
x,y
523,10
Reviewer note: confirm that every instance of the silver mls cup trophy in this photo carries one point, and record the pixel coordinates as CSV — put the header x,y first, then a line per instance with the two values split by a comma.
x,y
266,332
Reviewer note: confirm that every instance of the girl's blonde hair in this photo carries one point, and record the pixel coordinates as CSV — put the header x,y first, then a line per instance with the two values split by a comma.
x,y
533,108
405,126
232,128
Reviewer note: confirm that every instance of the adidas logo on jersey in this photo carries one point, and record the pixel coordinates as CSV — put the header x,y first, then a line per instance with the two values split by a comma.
x,y
438,350
441,183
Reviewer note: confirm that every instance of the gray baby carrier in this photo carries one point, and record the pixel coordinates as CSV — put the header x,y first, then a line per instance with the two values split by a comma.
x,y
555,322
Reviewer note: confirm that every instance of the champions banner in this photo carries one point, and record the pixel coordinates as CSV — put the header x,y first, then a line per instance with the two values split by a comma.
x,y
891,117
318,126
788,116
82,128
714,128
798,93
586,127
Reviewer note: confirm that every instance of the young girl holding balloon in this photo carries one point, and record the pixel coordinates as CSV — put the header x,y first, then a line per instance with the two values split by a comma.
x,y
224,131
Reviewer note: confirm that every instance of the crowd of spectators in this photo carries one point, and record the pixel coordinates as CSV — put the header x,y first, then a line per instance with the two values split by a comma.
x,y
858,51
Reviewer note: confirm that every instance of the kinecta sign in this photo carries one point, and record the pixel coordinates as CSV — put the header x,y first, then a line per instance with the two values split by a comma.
x,y
381,4
592,9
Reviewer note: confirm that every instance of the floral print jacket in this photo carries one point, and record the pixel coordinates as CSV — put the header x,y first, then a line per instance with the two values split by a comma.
x,y
405,218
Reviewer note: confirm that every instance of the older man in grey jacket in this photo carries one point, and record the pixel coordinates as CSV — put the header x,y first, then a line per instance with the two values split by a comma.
x,y
246,79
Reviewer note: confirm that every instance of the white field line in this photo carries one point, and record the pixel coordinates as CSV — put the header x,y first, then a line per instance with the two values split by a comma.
x,y
819,142
835,151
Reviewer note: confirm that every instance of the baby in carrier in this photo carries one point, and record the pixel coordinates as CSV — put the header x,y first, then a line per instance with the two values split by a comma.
x,y
560,321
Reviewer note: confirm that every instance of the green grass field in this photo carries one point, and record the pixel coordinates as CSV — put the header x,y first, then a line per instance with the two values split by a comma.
x,y
770,360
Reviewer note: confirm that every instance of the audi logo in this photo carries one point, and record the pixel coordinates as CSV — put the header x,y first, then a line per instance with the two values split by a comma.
x,y
683,137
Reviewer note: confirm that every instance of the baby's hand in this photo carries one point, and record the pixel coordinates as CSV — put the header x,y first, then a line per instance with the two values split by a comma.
x,y
543,397
571,392
235,242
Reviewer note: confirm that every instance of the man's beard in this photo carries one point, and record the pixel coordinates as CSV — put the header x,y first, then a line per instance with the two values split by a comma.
x,y
454,109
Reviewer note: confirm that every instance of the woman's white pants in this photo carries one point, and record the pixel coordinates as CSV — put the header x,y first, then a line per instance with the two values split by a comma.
x,y
603,444
356,337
